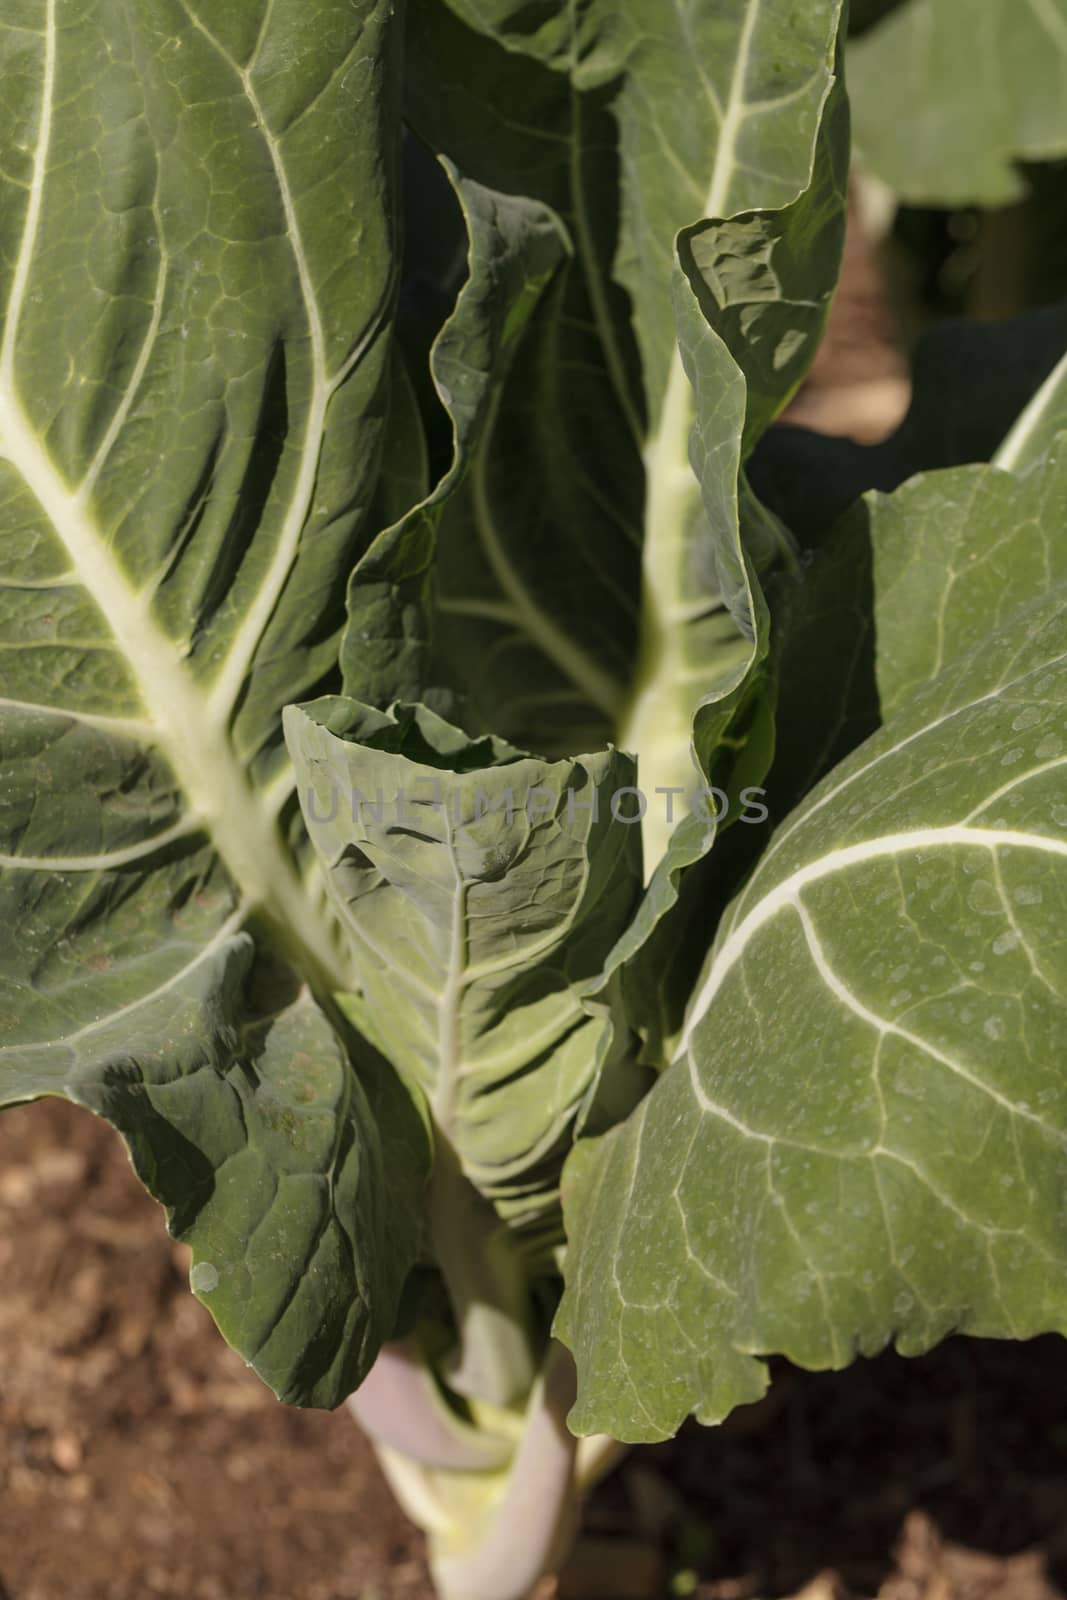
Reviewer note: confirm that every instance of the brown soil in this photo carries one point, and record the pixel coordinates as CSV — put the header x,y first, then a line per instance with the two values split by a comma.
x,y
140,1458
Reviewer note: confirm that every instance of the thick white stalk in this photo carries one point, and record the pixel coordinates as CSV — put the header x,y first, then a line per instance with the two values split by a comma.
x,y
495,1533
524,1520
400,1407
486,1286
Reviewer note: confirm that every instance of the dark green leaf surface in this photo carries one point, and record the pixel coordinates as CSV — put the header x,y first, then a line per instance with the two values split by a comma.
x,y
863,14
537,579
515,246
197,275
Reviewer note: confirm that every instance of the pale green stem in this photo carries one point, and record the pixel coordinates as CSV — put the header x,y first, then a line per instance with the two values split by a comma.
x,y
494,1535
657,725
535,1518
499,1498
486,1286
400,1407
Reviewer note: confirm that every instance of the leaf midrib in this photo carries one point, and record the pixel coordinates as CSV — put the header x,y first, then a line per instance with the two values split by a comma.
x,y
671,494
196,744
193,734
786,893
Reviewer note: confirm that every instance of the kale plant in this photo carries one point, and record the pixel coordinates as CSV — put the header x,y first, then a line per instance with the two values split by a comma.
x,y
548,937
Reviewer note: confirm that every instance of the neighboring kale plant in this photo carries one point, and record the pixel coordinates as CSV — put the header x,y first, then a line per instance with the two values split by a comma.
x,y
962,108
398,673
949,96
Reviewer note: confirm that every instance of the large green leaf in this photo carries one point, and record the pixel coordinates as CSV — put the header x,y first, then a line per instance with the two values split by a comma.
x,y
948,96
862,1138
897,585
197,275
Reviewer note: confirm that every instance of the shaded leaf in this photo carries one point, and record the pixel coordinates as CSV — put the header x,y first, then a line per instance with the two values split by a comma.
x,y
538,576
734,131
515,246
